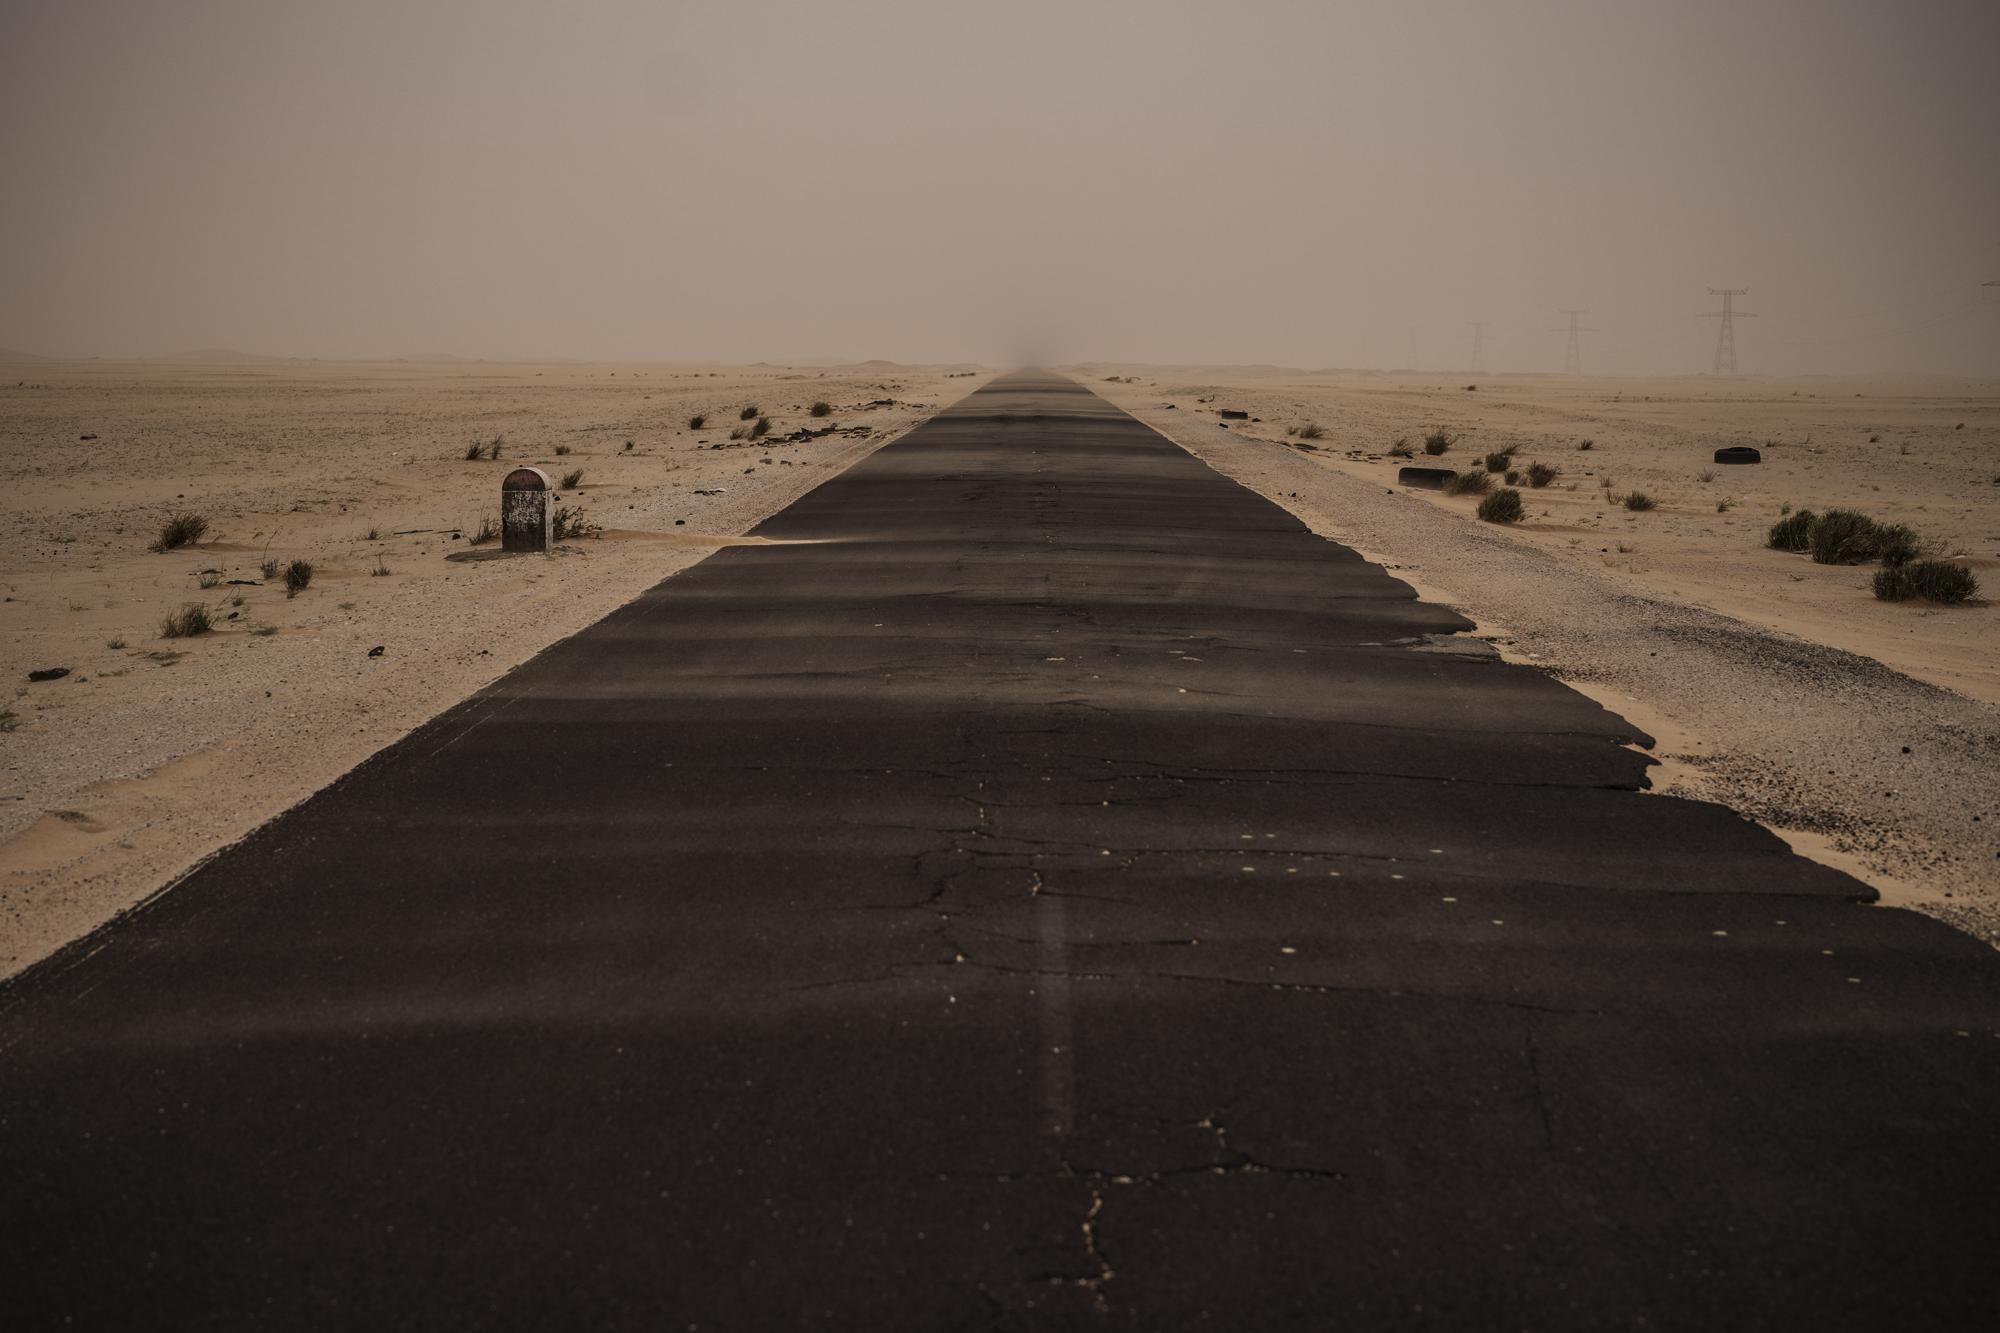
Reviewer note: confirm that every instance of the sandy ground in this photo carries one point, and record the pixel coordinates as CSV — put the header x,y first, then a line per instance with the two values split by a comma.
x,y
1866,732
153,752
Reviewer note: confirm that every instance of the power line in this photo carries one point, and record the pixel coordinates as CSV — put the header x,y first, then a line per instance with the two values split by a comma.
x,y
1725,339
1573,353
1945,317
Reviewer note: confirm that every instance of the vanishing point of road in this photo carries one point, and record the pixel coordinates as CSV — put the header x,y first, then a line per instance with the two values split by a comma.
x,y
1046,886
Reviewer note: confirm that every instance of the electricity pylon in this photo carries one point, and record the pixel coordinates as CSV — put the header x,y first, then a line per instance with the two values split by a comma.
x,y
1478,345
1725,338
1573,354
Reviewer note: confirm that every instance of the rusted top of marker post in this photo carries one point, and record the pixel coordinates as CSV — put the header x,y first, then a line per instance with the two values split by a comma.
x,y
526,479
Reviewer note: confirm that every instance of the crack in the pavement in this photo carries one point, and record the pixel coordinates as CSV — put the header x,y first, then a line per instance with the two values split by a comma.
x,y
1537,1089
1095,1283
1100,1182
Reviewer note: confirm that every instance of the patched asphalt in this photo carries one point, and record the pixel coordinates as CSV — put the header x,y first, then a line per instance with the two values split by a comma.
x,y
1047,887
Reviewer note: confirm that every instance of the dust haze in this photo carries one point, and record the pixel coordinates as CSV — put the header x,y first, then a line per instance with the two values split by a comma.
x,y
1306,184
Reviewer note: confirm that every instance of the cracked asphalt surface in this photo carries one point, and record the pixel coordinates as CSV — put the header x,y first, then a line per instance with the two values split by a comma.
x,y
1048,888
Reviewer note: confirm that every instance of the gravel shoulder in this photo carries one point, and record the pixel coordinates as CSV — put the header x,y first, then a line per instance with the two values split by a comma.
x,y
1888,777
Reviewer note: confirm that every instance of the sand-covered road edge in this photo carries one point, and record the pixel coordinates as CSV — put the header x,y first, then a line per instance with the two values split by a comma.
x,y
1881,775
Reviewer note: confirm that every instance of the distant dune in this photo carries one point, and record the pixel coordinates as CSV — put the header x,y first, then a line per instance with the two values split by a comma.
x,y
9,354
216,356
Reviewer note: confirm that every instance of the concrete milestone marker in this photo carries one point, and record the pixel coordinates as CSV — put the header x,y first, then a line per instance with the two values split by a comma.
x,y
525,515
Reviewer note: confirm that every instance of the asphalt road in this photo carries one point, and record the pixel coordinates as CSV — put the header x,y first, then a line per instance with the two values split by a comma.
x,y
1053,889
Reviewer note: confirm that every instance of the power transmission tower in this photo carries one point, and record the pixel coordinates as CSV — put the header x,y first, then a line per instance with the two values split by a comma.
x,y
1573,354
1413,346
1479,345
1725,338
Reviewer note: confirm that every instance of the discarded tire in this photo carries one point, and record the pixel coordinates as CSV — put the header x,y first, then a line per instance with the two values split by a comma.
x,y
1430,478
1231,414
1738,453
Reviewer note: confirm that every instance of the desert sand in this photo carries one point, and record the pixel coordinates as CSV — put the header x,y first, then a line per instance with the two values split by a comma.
x,y
154,752
1865,731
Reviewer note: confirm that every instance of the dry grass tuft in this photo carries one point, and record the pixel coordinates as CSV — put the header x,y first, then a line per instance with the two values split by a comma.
x,y
178,531
569,522
187,622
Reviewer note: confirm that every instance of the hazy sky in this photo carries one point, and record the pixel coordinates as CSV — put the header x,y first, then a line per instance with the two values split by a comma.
x,y
1244,180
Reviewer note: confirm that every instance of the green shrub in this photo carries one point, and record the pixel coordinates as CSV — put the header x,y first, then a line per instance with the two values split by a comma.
x,y
1842,537
1792,532
1502,507
1897,543
1930,580
1469,483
